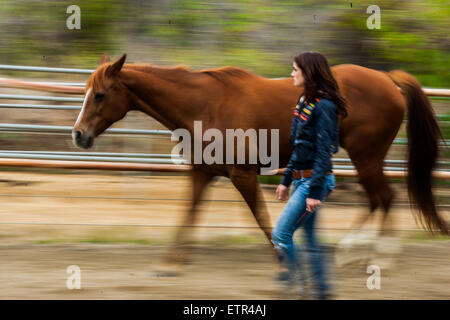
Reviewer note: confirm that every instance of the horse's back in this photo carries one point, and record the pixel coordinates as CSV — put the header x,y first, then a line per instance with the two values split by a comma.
x,y
375,107
362,83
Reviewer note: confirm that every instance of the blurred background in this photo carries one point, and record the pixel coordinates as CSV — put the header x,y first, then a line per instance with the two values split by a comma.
x,y
42,210
260,35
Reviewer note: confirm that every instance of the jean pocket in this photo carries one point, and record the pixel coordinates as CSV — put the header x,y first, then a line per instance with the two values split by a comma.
x,y
328,187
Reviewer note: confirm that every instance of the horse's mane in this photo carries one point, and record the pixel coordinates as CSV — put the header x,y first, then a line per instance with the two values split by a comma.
x,y
177,73
225,74
96,78
222,74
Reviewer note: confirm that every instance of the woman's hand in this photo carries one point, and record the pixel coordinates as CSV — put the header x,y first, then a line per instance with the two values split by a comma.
x,y
312,204
282,192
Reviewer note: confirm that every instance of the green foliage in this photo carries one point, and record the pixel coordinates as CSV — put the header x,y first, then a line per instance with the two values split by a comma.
x,y
8,136
260,35
413,36
273,179
424,236
36,31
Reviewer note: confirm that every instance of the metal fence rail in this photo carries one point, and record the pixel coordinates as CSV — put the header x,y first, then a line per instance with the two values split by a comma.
x,y
38,106
45,98
141,157
68,129
54,83
45,69
16,155
95,154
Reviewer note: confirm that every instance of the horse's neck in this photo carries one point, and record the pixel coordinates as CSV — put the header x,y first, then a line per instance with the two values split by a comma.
x,y
174,103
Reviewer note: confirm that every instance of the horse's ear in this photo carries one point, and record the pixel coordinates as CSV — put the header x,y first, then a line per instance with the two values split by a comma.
x,y
114,68
104,58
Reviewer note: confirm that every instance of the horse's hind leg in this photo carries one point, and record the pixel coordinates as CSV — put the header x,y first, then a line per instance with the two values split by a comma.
x,y
380,194
388,245
386,197
386,242
368,180
371,177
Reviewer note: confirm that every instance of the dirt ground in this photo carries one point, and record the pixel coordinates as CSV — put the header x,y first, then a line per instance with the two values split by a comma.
x,y
115,271
116,228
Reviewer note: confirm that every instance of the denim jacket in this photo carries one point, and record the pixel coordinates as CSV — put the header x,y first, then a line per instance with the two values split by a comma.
x,y
314,136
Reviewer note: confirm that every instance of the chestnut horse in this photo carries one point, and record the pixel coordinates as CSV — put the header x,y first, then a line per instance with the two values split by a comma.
x,y
234,98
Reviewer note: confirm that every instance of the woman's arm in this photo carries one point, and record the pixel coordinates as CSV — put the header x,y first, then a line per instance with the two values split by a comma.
x,y
287,175
326,116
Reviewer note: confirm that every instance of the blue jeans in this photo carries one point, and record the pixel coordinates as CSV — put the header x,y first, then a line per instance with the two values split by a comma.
x,y
295,216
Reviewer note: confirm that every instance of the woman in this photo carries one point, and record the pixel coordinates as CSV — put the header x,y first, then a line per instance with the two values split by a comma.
x,y
314,136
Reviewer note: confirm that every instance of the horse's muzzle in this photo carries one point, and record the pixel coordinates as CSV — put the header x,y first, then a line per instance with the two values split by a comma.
x,y
81,140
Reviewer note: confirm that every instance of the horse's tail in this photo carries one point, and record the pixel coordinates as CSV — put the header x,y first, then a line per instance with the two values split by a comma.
x,y
423,142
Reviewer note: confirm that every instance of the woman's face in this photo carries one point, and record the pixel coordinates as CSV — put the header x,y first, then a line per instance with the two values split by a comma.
x,y
297,75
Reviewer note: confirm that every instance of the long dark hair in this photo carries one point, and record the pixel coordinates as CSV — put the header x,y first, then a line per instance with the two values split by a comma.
x,y
319,81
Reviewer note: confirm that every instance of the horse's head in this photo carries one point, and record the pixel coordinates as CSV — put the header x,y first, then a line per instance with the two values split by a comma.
x,y
107,100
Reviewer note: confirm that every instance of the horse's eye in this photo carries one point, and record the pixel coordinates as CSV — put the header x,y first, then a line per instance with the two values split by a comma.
x,y
99,97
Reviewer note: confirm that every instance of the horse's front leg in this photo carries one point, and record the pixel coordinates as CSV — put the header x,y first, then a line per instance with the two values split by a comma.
x,y
178,252
246,182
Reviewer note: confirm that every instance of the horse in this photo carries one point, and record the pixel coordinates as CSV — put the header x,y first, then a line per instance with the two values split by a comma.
x,y
232,97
